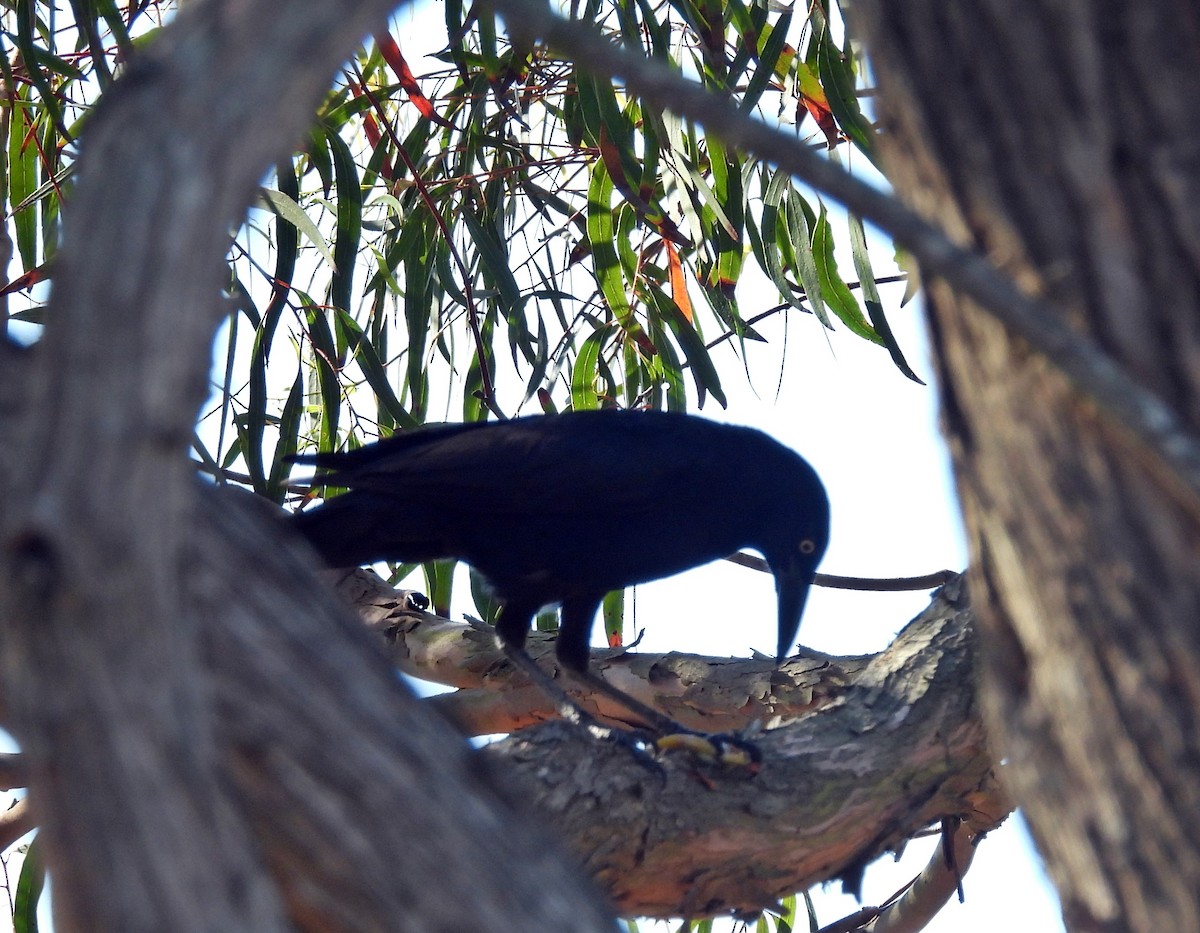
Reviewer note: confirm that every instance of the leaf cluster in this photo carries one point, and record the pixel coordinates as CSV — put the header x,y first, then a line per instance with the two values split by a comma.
x,y
503,230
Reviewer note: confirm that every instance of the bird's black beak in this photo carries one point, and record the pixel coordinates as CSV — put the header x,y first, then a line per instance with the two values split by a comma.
x,y
792,581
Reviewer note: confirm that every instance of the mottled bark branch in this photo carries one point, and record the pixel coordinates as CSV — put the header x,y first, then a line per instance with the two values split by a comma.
x,y
713,694
845,776
882,777
898,749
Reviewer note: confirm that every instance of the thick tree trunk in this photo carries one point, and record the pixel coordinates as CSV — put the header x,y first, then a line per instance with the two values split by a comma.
x,y
1061,140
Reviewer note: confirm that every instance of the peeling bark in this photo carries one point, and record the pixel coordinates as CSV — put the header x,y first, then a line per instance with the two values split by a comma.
x,y
897,750
706,693
882,747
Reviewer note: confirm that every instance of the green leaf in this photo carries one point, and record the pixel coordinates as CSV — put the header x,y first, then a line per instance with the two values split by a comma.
x,y
496,266
22,177
795,242
704,373
727,187
34,57
837,73
326,363
664,367
586,371
612,610
375,372
773,44
29,890
287,247
348,234
711,201
289,440
419,309
870,293
767,249
486,604
439,583
838,295
288,209
603,239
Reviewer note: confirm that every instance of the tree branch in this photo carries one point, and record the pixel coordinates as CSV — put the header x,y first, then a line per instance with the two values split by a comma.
x,y
185,778
711,694
899,749
883,776
892,741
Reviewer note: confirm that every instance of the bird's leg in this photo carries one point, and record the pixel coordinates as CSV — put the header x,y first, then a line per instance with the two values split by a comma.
x,y
573,650
651,718
722,747
568,707
571,711
574,654
512,630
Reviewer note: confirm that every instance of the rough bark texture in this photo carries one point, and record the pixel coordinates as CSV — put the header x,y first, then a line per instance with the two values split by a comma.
x,y
205,751
211,746
862,753
1061,140
899,748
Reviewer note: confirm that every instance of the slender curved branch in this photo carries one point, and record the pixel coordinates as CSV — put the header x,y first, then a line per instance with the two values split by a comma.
x,y
872,584
931,890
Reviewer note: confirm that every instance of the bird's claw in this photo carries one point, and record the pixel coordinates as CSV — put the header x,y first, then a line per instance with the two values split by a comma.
x,y
723,749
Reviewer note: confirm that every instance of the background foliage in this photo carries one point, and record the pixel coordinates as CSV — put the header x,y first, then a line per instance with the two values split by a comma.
x,y
501,229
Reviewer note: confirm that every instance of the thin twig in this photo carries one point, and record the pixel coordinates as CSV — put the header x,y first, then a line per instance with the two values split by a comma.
x,y
871,584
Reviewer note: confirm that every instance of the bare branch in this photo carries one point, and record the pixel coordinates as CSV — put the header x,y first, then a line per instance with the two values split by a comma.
x,y
708,693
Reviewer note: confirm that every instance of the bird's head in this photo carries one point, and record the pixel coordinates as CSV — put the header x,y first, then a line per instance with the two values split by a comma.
x,y
793,576
799,536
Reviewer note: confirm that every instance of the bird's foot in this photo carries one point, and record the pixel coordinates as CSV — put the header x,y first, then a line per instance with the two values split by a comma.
x,y
725,749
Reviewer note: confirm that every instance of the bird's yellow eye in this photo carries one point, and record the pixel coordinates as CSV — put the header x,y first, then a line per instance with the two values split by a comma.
x,y
808,546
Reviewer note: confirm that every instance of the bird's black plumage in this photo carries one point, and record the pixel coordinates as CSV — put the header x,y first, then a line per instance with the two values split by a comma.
x,y
565,508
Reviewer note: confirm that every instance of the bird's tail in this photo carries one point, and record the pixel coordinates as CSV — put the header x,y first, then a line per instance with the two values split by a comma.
x,y
358,528
335,531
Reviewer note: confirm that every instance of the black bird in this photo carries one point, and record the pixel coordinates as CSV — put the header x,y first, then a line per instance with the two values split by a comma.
x,y
562,509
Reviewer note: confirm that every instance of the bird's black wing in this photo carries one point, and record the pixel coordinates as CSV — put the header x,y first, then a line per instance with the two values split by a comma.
x,y
570,465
